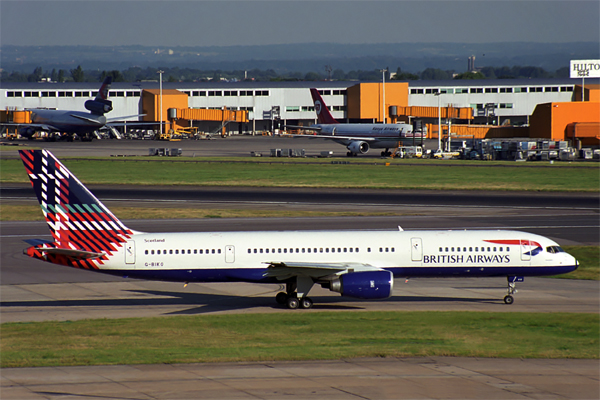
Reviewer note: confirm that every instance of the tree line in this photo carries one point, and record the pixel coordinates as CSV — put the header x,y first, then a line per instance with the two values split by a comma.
x,y
138,74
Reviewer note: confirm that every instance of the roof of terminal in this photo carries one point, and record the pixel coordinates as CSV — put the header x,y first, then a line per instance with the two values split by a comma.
x,y
285,85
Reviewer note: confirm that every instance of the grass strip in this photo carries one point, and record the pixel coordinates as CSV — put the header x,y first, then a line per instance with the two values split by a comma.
x,y
330,175
12,212
299,336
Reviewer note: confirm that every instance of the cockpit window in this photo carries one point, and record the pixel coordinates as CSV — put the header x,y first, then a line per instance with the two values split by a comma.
x,y
554,249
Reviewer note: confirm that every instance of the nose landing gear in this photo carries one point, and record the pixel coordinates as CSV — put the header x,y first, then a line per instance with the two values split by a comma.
x,y
512,288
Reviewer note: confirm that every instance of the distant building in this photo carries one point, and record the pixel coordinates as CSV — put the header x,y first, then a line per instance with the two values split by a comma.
x,y
471,64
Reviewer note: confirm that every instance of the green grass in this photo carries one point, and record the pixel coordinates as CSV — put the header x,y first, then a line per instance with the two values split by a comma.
x,y
13,212
400,174
299,336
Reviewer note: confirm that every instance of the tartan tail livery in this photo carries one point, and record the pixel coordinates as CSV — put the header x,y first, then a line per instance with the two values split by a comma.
x,y
85,232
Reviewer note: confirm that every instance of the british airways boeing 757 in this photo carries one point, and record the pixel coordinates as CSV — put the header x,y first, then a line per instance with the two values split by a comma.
x,y
358,138
357,264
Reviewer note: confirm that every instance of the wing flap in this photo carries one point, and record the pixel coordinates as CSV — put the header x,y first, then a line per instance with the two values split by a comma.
x,y
285,270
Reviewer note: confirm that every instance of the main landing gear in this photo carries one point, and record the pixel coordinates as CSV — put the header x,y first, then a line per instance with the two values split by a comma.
x,y
386,153
295,295
512,288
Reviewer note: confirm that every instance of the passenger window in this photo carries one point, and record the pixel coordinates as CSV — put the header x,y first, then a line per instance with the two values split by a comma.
x,y
249,251
327,250
219,251
146,252
213,251
393,249
308,249
368,249
285,250
176,251
357,249
261,250
321,250
267,251
195,251
470,249
350,249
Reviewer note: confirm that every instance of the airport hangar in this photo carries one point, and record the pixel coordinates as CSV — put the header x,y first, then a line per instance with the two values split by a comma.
x,y
552,107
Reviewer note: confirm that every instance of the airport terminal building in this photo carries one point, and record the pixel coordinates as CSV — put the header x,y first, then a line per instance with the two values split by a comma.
x,y
268,105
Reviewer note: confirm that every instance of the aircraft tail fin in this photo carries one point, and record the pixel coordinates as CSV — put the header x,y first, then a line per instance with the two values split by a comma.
x,y
85,232
103,92
323,114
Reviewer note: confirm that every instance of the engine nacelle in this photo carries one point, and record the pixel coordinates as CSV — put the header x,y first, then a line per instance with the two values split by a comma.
x,y
26,132
358,147
364,285
98,107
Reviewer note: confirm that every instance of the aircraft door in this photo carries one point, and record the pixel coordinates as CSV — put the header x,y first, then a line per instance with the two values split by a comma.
x,y
130,252
229,254
526,248
416,252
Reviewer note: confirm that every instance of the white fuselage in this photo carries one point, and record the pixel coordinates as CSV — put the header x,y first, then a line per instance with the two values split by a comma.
x,y
244,256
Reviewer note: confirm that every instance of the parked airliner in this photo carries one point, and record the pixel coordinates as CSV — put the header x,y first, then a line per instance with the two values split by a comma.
x,y
73,122
358,138
357,264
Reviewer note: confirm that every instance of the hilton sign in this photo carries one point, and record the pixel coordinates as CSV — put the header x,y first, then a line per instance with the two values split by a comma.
x,y
585,69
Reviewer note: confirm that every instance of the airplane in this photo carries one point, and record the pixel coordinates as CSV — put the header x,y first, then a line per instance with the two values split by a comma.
x,y
357,264
358,138
73,122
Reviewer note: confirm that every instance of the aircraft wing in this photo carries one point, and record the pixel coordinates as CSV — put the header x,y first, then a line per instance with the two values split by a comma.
x,y
41,127
304,128
81,117
126,117
285,270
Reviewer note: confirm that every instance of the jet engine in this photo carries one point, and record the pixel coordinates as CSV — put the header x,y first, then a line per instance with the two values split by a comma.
x,y
98,107
26,132
364,285
358,147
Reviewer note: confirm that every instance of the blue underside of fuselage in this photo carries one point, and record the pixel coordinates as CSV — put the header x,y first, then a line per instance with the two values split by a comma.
x,y
258,275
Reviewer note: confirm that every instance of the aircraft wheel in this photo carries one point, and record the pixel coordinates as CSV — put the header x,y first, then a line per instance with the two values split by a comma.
x,y
306,303
293,303
349,154
508,299
281,298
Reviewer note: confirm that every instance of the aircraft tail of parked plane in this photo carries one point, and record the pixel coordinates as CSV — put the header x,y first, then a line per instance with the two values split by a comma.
x,y
357,264
323,114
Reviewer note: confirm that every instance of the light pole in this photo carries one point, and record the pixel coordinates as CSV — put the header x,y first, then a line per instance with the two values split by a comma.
x,y
437,94
383,71
160,101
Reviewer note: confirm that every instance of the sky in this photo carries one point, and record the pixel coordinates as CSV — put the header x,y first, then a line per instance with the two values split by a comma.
x,y
235,23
